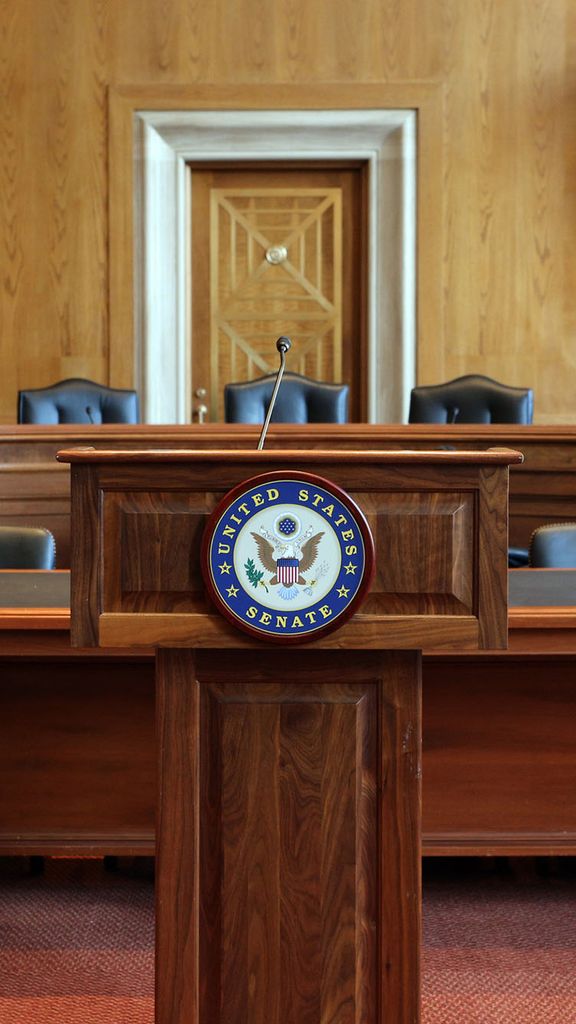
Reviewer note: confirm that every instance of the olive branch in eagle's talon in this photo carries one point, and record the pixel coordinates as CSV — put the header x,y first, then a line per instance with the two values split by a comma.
x,y
254,576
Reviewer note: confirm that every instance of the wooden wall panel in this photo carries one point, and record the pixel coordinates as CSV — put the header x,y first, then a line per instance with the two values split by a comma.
x,y
54,270
506,216
509,141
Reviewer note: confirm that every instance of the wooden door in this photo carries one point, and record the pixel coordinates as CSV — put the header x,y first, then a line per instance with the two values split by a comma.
x,y
277,252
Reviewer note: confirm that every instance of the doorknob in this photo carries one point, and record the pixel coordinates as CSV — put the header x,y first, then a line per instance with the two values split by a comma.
x,y
201,409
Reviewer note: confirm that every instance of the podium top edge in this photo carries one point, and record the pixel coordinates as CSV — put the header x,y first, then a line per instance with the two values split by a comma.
x,y
303,456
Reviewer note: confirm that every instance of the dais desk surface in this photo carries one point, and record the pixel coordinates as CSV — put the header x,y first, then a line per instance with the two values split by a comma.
x,y
499,759
35,487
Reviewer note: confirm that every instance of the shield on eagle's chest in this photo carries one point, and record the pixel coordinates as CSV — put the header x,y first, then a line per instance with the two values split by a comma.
x,y
287,570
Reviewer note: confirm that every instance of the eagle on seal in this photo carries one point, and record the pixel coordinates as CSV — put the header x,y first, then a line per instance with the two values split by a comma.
x,y
266,555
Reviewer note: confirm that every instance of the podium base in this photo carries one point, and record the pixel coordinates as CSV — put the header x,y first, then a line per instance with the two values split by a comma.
x,y
288,839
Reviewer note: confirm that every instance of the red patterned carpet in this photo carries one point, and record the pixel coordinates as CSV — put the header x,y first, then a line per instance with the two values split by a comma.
x,y
76,945
499,948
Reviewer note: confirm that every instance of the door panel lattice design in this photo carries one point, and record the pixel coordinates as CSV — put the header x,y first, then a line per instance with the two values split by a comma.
x,y
276,268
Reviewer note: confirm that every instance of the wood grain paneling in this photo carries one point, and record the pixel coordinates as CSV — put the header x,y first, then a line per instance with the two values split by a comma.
x,y
274,300
55,260
85,584
77,758
35,489
288,824
440,526
162,549
289,834
160,536
424,546
499,769
503,234
492,540
498,765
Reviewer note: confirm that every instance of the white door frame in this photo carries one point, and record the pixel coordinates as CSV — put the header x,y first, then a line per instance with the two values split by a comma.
x,y
166,140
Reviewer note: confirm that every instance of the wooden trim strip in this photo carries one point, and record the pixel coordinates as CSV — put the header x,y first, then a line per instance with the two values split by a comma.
x,y
411,632
552,617
489,433
35,618
365,433
500,844
519,618
498,456
30,845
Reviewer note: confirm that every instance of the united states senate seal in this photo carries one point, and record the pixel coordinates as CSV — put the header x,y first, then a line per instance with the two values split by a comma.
x,y
287,556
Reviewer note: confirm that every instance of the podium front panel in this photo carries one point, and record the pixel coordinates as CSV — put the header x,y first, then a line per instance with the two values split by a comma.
x,y
439,522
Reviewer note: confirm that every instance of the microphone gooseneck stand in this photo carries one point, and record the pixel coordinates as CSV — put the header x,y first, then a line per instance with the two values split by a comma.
x,y
283,345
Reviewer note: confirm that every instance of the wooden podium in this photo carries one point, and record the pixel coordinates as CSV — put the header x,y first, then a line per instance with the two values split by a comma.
x,y
288,833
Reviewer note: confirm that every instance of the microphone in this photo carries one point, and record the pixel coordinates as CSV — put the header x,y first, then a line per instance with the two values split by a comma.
x,y
283,345
89,413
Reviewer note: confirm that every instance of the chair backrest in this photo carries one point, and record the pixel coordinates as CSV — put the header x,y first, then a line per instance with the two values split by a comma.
x,y
553,546
26,547
77,401
471,399
299,400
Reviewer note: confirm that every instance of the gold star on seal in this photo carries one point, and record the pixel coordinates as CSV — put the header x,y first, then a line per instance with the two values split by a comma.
x,y
350,568
343,591
232,591
225,568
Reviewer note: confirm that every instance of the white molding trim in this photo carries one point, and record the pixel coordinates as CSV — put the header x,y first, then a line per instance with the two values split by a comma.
x,y
164,141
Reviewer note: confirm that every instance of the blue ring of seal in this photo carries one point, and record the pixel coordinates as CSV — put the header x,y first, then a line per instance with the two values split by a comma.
x,y
239,597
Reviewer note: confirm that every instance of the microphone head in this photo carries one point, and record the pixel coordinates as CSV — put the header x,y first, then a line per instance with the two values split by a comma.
x,y
283,344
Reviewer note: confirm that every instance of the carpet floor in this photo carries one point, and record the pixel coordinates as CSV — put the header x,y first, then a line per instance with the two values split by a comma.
x,y
499,943
76,944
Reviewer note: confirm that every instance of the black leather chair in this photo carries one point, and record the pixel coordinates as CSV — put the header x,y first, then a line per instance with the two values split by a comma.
x,y
471,399
299,400
26,547
78,401
517,558
553,546
474,398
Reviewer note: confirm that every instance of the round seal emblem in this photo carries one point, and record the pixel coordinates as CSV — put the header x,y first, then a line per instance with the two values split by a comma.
x,y
287,556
